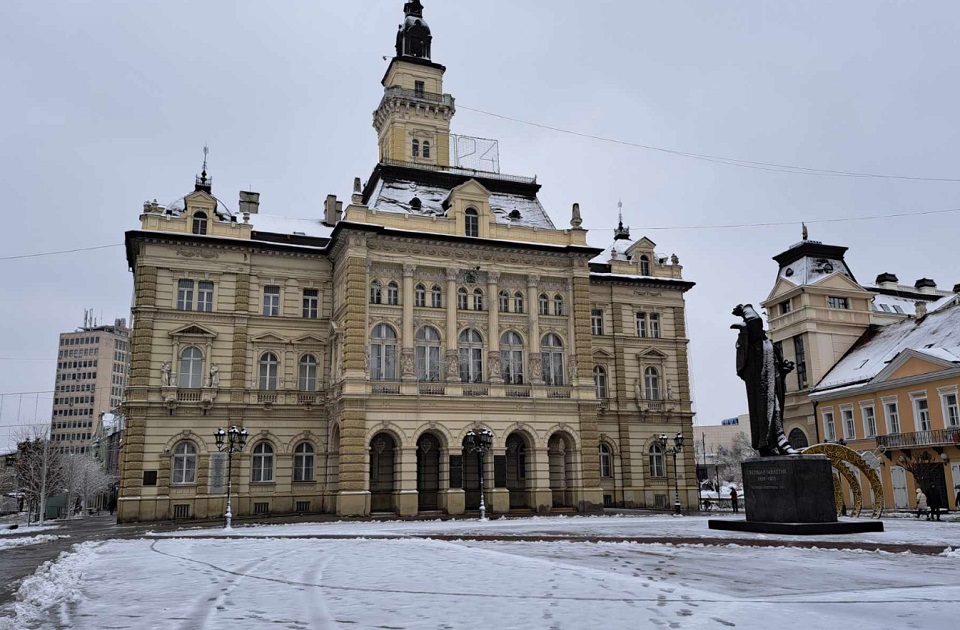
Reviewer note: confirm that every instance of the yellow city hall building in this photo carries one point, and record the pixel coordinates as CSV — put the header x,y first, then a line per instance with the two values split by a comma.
x,y
361,347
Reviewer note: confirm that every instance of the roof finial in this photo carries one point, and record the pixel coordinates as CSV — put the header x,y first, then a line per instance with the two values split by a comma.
x,y
621,233
806,232
204,182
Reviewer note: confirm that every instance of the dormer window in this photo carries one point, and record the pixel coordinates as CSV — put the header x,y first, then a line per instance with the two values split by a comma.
x,y
472,223
200,223
644,265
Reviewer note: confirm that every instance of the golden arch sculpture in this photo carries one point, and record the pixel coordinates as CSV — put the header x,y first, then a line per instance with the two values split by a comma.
x,y
844,460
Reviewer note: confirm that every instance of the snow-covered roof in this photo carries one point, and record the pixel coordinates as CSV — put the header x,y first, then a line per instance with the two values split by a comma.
x,y
275,224
619,249
808,270
894,305
936,335
177,207
398,195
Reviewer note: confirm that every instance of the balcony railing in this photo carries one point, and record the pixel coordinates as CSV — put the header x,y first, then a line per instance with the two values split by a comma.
x,y
307,398
518,391
418,95
380,387
476,390
558,392
266,398
432,389
920,438
188,395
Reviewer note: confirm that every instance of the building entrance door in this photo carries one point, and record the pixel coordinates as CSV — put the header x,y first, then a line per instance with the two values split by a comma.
x,y
428,472
898,476
517,471
471,480
382,459
955,469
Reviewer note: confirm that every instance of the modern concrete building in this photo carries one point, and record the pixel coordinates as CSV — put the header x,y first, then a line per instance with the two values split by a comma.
x,y
92,366
362,347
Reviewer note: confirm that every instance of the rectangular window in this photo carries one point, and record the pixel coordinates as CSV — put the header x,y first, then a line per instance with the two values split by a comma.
x,y
419,88
951,410
205,297
311,303
654,326
785,307
849,425
185,295
829,427
800,359
596,321
271,301
838,302
869,421
641,324
921,412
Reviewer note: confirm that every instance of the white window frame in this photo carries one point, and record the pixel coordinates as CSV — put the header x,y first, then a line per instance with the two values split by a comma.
x,y
606,461
185,291
918,414
511,358
311,304
951,412
829,425
657,461
868,411
652,386
383,354
600,382
271,300
205,296
428,364
304,463
596,322
470,347
436,297
266,378
183,474
654,325
191,368
261,465
519,303
642,325
307,373
892,420
420,296
849,422
551,356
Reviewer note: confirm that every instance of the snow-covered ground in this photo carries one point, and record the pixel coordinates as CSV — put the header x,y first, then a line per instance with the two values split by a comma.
x,y
304,584
897,531
25,529
9,543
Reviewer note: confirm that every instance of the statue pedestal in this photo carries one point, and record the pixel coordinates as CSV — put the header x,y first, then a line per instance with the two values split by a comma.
x,y
791,495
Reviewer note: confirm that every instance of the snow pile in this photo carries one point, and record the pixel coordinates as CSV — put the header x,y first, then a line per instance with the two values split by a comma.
x,y
29,529
950,552
54,585
9,543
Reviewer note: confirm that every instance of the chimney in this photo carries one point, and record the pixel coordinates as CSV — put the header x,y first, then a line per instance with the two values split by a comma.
x,y
921,309
357,197
956,288
926,286
249,202
332,210
887,281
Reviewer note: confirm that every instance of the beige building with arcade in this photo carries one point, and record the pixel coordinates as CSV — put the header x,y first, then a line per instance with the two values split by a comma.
x,y
359,348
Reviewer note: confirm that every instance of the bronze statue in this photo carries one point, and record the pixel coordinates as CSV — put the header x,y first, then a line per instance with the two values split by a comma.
x,y
761,366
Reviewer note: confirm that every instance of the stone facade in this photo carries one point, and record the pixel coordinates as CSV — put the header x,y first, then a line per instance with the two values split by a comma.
x,y
360,349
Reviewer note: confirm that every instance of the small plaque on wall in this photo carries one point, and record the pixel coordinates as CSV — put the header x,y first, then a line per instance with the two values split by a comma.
x,y
149,477
218,473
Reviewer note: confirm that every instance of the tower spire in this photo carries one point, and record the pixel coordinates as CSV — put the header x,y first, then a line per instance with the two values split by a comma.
x,y
621,233
204,182
414,38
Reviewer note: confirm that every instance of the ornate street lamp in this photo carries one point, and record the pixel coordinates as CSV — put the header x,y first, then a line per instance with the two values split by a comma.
x,y
677,448
232,441
480,441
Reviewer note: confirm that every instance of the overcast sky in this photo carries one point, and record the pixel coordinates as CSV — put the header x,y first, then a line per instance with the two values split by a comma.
x,y
108,104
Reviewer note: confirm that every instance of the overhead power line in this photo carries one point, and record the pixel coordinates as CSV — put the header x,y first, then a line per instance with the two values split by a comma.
x,y
62,251
717,159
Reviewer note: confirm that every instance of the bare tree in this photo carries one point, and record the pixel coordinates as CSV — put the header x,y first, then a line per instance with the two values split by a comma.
x,y
38,466
730,459
83,480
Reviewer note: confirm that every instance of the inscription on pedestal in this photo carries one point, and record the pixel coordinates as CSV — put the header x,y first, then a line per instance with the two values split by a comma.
x,y
789,489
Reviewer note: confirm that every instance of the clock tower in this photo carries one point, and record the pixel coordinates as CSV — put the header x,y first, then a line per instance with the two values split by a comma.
x,y
413,119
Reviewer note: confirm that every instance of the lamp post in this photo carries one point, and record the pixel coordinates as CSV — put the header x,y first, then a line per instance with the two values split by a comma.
x,y
232,441
480,441
677,448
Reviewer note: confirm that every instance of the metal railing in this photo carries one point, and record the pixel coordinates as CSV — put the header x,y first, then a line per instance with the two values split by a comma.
x,y
920,438
418,95
461,171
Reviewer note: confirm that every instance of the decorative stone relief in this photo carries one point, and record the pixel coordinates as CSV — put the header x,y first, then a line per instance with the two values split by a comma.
x,y
407,362
536,368
165,375
573,369
453,365
494,367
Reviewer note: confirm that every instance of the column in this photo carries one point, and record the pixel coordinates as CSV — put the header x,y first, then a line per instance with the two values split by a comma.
x,y
573,374
407,359
452,357
533,300
494,367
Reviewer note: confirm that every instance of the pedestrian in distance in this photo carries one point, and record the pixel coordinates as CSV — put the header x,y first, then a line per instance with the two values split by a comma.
x,y
921,503
734,500
933,500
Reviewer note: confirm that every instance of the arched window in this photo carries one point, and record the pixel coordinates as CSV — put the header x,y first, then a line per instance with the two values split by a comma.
x,y
462,299
428,354
184,463
798,439
606,461
200,223
656,461
420,296
544,304
303,462
644,265
504,301
416,148
376,292
437,297
426,148
551,353
600,382
383,354
472,223
651,383
471,356
511,358
478,299
518,302
262,463
558,304
191,368
393,294
308,373
269,365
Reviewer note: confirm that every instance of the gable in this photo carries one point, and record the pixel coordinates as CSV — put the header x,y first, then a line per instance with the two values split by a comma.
x,y
839,280
644,244
308,339
781,288
268,338
652,353
915,366
193,330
